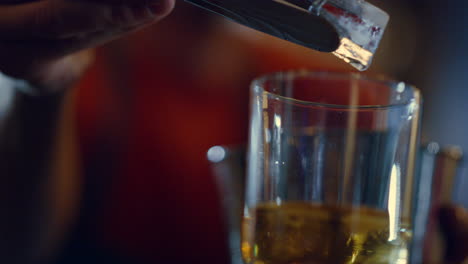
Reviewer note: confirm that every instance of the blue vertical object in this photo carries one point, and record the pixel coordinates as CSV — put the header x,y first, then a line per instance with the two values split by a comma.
x,y
7,92
422,204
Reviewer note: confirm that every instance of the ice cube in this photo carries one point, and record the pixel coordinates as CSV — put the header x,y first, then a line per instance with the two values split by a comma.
x,y
360,26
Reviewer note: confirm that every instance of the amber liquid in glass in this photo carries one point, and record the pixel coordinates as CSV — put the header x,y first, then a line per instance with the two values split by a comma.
x,y
305,233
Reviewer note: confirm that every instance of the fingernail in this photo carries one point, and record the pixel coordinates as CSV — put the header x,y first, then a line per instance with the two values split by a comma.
x,y
461,214
161,7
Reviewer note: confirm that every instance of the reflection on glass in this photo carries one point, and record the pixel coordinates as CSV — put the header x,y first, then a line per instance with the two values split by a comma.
x,y
330,170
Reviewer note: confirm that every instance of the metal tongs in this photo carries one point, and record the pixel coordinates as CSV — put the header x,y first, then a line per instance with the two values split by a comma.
x,y
351,29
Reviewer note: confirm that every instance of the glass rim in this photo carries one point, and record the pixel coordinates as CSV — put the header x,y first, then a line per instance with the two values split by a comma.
x,y
257,82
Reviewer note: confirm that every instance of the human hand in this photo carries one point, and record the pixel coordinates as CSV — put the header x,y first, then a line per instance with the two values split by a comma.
x,y
48,42
454,226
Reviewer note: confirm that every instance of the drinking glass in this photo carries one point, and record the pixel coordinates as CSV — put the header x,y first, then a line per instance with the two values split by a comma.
x,y
330,169
446,183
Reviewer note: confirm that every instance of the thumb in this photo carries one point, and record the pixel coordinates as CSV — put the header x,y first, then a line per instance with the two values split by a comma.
x,y
52,19
454,226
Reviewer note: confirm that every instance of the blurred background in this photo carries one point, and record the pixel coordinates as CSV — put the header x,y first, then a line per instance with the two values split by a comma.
x,y
155,102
